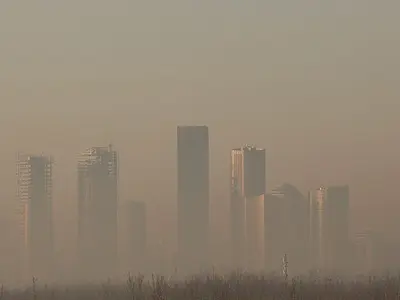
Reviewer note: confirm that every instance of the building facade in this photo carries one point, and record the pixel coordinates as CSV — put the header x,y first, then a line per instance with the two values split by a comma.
x,y
329,228
35,193
247,207
364,253
286,229
275,235
97,211
316,217
337,226
193,197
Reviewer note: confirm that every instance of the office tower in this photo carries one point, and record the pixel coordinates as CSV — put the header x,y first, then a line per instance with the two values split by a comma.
x,y
337,212
329,227
247,207
275,236
286,229
193,197
132,218
364,254
316,215
97,211
34,192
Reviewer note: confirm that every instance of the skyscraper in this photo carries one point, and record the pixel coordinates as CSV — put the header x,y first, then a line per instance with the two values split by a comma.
x,y
364,252
247,207
193,196
329,227
133,236
337,226
286,228
35,192
316,220
97,211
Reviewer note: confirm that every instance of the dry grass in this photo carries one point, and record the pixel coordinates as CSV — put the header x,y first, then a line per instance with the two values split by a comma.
x,y
235,286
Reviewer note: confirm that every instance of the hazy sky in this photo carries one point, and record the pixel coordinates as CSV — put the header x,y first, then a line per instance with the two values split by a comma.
x,y
317,83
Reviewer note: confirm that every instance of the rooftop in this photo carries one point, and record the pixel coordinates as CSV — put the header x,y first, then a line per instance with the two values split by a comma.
x,y
248,147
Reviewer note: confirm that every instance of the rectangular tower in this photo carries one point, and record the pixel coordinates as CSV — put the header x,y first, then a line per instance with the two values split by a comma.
x,y
34,192
317,200
97,211
329,227
274,233
337,227
286,229
247,207
193,196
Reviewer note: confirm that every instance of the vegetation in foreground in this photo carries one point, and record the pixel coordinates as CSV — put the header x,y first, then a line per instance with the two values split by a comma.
x,y
236,286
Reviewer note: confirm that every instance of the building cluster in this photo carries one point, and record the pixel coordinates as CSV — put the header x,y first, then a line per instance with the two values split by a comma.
x,y
267,229
98,218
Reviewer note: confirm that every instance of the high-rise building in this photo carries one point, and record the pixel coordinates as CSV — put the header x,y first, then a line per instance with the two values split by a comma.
x,y
133,228
97,211
329,227
286,229
275,235
337,213
316,218
247,207
35,192
193,197
364,252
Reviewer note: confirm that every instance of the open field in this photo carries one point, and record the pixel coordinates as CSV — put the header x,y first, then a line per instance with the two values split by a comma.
x,y
217,288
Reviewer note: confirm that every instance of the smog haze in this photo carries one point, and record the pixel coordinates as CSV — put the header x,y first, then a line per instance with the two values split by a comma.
x,y
315,83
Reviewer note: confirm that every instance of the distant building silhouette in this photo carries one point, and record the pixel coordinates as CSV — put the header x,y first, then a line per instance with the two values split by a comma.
x,y
337,213
275,236
316,219
247,207
365,254
35,192
133,235
286,229
97,211
193,197
329,227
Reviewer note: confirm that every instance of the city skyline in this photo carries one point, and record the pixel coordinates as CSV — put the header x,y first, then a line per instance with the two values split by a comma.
x,y
265,225
314,83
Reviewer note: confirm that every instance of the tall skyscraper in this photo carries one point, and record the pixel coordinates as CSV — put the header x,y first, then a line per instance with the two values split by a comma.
x,y
337,213
133,235
247,207
364,253
97,211
316,214
329,227
286,229
193,197
35,192
275,235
